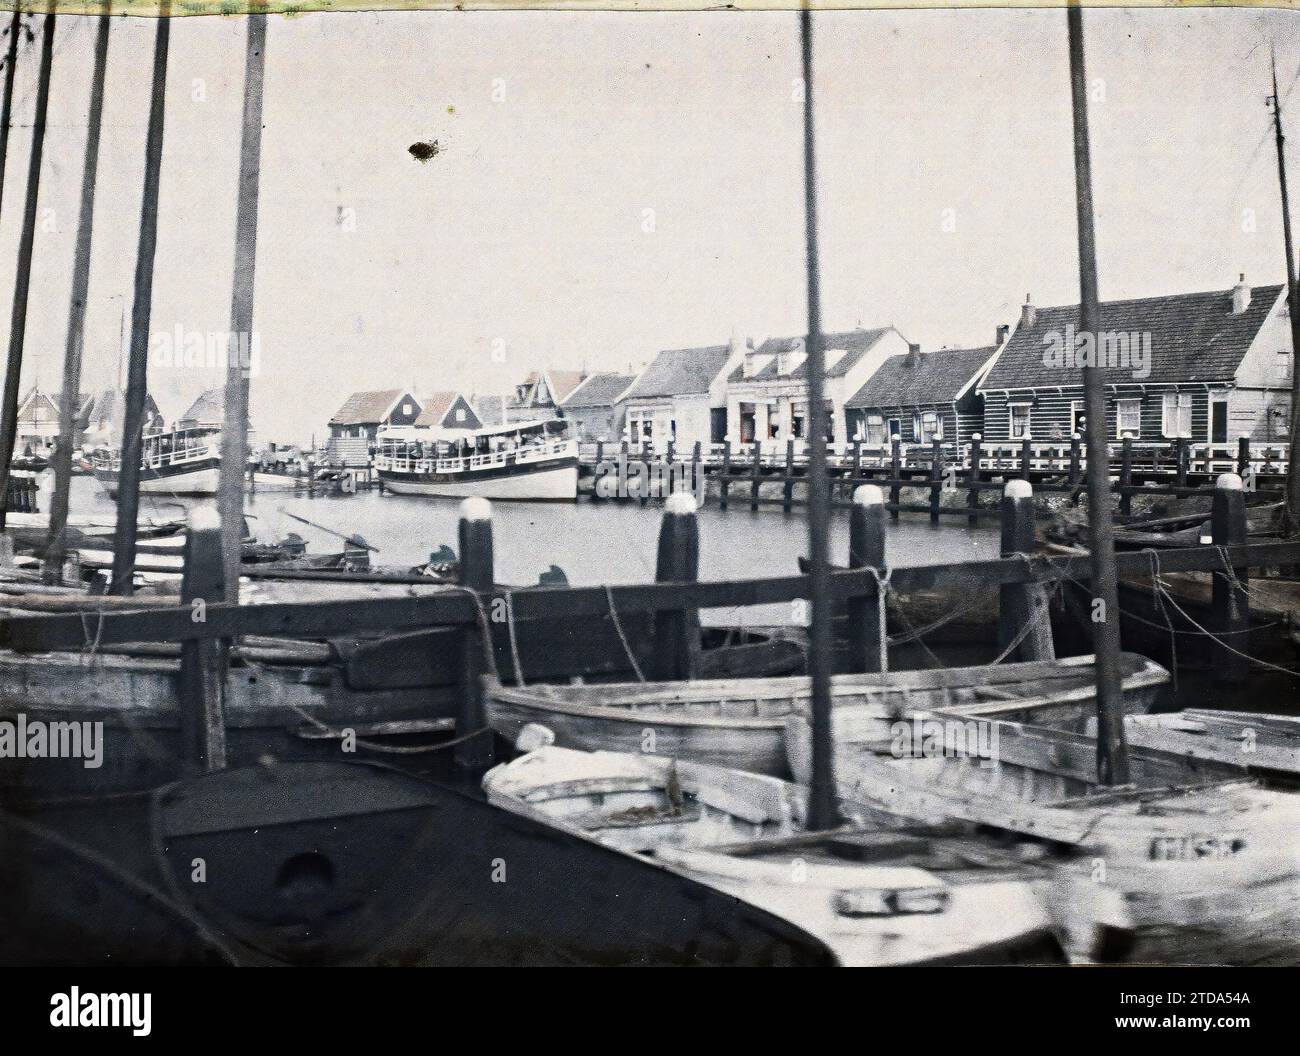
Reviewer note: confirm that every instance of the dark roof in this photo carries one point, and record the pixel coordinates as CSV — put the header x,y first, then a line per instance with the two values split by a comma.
x,y
937,378
853,343
366,408
599,390
1194,337
680,372
490,409
439,404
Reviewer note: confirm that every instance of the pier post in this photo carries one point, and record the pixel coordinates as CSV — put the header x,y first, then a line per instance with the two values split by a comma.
x,y
1020,604
895,472
857,460
1243,454
868,651
787,494
202,707
756,468
1180,452
1231,605
724,483
936,478
697,468
973,494
1126,476
476,574
1076,466
677,631
1026,457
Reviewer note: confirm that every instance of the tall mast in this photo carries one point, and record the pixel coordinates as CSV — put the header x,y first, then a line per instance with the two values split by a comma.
x,y
1112,751
69,409
22,280
822,813
128,478
1293,464
234,436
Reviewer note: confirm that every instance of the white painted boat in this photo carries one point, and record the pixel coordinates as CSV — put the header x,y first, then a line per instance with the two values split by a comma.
x,y
1266,746
740,723
1208,861
181,462
875,894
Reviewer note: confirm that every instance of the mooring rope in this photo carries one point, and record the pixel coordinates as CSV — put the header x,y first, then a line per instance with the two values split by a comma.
x,y
618,626
882,624
514,642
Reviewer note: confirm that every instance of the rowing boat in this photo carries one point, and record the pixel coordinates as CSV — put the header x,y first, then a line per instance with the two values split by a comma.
x,y
876,892
1208,861
739,723
1266,746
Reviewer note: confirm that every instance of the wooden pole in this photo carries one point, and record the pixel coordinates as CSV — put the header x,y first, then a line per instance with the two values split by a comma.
x,y
973,495
6,110
677,632
23,275
128,480
1243,454
867,535
822,810
895,472
755,469
1126,477
55,543
234,434
1026,457
787,499
1231,603
1112,749
936,479
202,707
476,574
1022,604
725,483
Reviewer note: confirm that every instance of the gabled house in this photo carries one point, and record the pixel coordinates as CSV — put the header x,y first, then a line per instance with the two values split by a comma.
x,y
681,397
541,393
595,409
920,397
1210,366
767,391
207,412
491,409
104,418
448,412
365,412
37,422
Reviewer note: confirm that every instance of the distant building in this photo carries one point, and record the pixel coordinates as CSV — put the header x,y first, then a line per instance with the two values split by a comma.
x,y
207,412
767,391
681,396
104,418
491,409
448,411
1209,366
921,397
541,393
595,409
365,412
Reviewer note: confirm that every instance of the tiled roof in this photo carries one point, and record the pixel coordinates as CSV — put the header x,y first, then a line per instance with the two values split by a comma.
x,y
680,372
562,383
853,343
937,378
434,406
599,390
366,408
209,407
1194,337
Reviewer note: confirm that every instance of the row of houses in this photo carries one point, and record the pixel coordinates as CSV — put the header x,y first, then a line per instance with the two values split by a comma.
x,y
1210,366
94,418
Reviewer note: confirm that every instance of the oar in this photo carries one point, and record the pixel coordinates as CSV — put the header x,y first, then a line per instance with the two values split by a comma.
x,y
355,540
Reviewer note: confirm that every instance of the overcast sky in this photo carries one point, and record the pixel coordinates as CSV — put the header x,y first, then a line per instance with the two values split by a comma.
x,y
559,134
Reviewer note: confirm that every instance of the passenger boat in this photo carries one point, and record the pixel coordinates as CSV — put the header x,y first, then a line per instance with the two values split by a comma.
x,y
180,462
739,723
347,863
876,891
526,460
1206,859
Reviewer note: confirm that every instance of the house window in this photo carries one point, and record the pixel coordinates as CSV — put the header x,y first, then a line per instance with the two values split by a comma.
x,y
931,426
1128,417
1176,416
875,430
1078,417
406,408
1019,414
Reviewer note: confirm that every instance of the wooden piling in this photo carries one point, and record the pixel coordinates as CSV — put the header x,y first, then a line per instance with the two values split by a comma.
x,y
677,631
1243,455
895,472
868,650
755,468
936,479
1180,453
1021,604
1230,601
725,482
857,458
1126,477
973,495
1026,457
476,574
787,492
202,688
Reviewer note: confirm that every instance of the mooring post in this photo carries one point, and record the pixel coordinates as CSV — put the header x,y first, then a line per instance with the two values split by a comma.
x,y
868,649
787,493
202,711
936,478
1230,596
755,467
1180,452
1022,604
973,481
724,483
677,631
895,472
1243,454
476,575
857,459
697,468
1026,457
1126,476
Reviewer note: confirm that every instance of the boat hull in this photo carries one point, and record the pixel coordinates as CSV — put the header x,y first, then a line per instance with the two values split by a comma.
x,y
555,480
197,478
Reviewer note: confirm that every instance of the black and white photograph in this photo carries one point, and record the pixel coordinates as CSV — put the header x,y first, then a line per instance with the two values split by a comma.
x,y
605,487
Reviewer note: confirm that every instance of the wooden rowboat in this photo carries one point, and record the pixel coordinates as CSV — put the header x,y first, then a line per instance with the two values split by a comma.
x,y
874,892
1266,746
1208,862
739,723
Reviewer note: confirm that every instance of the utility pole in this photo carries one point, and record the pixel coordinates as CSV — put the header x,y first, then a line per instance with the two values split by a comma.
x,y
23,277
1112,750
56,539
1293,310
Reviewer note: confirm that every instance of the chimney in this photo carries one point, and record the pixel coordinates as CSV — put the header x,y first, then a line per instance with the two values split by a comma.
x,y
913,356
1003,331
1028,313
1240,295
